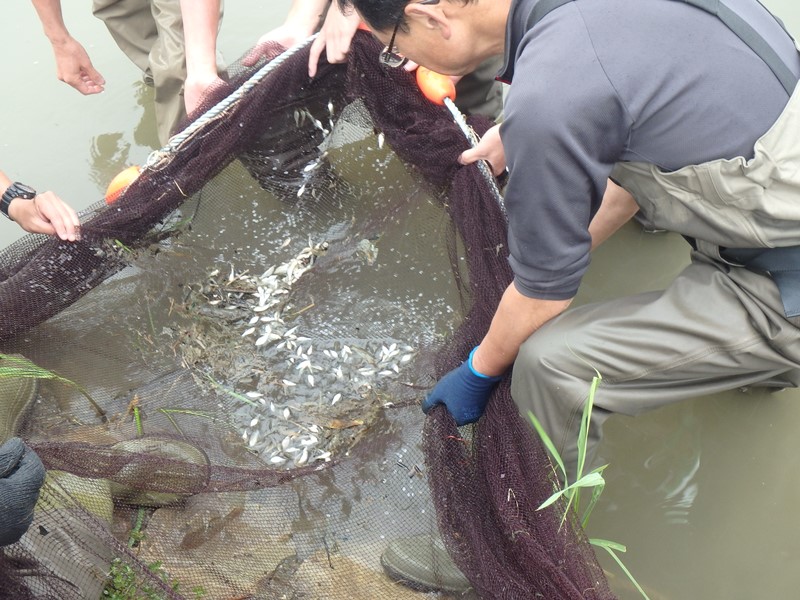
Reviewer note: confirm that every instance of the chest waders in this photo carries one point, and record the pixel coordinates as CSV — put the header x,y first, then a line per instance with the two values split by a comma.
x,y
741,212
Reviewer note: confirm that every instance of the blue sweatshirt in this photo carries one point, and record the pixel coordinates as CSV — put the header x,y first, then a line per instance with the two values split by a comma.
x,y
601,81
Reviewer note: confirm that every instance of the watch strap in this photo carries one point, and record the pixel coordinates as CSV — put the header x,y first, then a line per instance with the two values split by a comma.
x,y
15,190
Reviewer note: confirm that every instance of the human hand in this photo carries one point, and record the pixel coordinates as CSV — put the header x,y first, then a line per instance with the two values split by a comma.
x,y
194,88
21,477
490,149
287,35
74,67
464,392
48,214
335,36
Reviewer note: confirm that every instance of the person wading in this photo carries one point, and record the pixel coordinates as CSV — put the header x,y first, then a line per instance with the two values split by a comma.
x,y
685,110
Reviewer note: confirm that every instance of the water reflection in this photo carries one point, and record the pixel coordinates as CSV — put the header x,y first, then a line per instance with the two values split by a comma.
x,y
110,152
702,493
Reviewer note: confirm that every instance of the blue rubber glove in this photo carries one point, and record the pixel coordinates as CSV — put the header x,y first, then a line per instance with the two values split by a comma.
x,y
21,477
464,392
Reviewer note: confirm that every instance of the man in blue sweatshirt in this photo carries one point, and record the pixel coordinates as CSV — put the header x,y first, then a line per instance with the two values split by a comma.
x,y
685,110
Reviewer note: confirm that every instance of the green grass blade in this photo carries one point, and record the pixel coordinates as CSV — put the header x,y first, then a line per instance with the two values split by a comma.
x,y
589,480
596,492
612,548
586,417
220,387
17,366
548,443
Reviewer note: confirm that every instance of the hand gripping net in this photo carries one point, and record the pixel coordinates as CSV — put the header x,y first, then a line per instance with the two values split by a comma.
x,y
248,331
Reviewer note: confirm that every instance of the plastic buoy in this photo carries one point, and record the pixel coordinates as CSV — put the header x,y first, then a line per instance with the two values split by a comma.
x,y
435,86
120,182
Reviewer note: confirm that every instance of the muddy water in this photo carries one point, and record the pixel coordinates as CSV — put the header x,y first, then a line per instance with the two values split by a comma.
x,y
54,138
702,493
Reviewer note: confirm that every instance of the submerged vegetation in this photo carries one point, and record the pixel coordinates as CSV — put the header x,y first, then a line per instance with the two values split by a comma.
x,y
125,584
15,366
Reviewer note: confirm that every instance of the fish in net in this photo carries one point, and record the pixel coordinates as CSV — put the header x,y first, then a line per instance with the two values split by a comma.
x,y
244,338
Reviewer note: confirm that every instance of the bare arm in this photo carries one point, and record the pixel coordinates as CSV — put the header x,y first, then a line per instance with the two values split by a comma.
x,y
73,65
335,36
617,208
46,213
302,20
517,317
200,28
305,15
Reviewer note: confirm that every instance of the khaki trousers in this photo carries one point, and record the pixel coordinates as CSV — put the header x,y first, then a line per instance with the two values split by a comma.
x,y
150,33
714,328
478,93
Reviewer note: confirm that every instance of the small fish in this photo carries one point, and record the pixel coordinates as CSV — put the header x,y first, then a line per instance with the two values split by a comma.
x,y
303,458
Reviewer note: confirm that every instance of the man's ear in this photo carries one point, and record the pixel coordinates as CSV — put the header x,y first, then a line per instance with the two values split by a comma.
x,y
430,16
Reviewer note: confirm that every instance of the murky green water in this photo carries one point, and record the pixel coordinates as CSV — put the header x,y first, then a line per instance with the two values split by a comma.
x,y
702,493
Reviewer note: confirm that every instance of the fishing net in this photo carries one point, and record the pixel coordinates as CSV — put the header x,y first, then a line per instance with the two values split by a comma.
x,y
241,343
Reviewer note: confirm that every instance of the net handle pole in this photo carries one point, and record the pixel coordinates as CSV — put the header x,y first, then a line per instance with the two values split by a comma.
x,y
176,141
483,166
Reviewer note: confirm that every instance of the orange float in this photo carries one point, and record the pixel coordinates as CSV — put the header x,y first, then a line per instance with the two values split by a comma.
x,y
435,86
120,182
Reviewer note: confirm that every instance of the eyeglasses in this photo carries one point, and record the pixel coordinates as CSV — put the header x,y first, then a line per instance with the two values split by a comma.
x,y
389,56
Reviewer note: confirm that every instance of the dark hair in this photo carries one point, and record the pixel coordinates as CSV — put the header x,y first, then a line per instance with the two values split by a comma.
x,y
379,14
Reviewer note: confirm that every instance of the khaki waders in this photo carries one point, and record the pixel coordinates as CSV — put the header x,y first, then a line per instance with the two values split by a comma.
x,y
150,33
717,327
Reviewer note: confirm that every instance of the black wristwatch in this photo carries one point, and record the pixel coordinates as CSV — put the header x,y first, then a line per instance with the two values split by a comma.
x,y
15,190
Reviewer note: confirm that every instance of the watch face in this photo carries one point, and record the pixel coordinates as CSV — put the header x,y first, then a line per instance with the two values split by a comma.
x,y
23,190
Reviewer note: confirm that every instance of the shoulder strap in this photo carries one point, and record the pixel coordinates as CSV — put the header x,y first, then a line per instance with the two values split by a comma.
x,y
542,9
752,38
734,22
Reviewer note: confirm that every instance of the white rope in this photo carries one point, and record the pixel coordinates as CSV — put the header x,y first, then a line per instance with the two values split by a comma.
x,y
176,141
473,139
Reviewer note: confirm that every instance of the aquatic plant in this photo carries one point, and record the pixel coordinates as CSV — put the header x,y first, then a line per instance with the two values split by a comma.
x,y
124,583
15,366
592,480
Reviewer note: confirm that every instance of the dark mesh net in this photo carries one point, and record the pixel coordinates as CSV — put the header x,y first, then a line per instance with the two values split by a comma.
x,y
245,337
